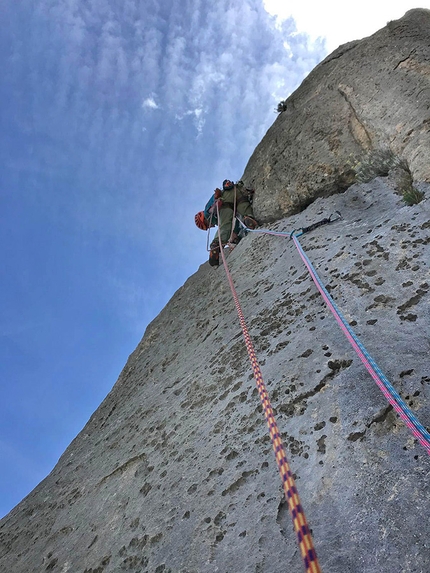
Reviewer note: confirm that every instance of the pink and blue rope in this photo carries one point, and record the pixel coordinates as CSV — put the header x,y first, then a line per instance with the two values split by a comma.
x,y
405,413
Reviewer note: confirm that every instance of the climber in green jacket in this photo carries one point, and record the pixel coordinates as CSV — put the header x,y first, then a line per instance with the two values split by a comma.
x,y
234,199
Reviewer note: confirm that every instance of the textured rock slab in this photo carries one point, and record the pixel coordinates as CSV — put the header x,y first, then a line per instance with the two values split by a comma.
x,y
367,95
175,471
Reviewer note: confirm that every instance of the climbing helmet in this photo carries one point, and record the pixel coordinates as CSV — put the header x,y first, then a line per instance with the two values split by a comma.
x,y
201,221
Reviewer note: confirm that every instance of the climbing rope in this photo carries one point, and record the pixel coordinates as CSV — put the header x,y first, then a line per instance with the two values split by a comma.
x,y
233,219
405,413
418,430
301,527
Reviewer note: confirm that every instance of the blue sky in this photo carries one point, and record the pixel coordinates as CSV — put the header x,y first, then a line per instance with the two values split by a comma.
x,y
118,118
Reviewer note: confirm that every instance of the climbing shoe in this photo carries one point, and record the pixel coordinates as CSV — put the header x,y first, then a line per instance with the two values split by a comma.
x,y
214,257
250,222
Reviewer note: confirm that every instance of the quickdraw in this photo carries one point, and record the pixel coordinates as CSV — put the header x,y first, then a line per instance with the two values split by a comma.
x,y
325,221
297,232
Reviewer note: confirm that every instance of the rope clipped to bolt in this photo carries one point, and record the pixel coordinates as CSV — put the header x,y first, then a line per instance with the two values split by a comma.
x,y
297,232
300,524
326,221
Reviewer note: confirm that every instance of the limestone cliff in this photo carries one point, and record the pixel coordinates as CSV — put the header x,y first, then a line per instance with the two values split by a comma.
x,y
175,471
366,96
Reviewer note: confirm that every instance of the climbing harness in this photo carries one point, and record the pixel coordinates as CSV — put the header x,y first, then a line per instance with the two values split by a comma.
x,y
301,527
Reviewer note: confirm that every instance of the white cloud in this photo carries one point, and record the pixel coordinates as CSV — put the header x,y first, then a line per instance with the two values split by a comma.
x,y
338,21
150,103
198,116
223,67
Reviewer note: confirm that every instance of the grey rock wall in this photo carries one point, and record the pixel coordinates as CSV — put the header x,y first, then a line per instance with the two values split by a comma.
x,y
368,95
175,471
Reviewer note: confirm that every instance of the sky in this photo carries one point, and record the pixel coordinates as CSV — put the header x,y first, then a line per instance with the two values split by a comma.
x,y
118,118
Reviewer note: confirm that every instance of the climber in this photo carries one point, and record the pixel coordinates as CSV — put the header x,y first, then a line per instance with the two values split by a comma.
x,y
232,200
209,218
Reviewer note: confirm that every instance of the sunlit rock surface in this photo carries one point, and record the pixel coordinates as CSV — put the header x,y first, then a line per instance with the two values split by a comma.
x,y
366,96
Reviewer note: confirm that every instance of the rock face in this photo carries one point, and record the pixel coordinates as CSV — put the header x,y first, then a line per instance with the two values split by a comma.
x,y
175,471
367,96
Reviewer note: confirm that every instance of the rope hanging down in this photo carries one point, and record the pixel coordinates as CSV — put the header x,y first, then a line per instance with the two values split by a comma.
x,y
301,527
403,410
